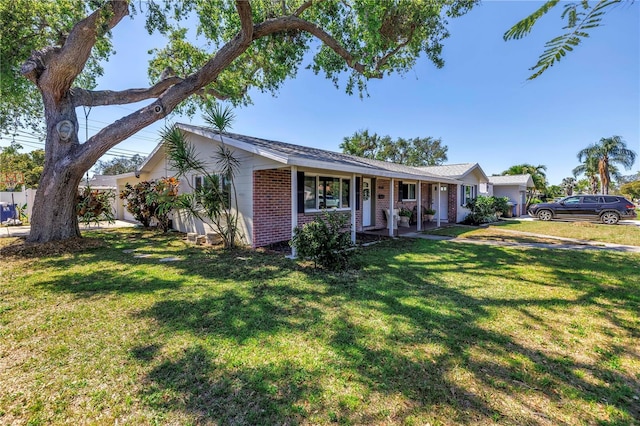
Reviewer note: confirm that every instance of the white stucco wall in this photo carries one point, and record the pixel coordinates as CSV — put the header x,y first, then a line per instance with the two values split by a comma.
x,y
206,149
515,193
473,178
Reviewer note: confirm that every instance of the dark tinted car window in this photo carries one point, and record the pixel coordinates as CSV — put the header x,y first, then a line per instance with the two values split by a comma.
x,y
571,200
590,200
609,199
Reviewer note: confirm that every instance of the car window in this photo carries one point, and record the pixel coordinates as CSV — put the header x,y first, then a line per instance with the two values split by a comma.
x,y
590,200
572,200
610,199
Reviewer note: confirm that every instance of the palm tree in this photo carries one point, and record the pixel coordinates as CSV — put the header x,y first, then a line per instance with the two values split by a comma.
x,y
589,168
607,153
538,174
568,184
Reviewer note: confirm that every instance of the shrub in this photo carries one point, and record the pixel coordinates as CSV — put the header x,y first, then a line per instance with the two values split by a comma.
x,y
484,209
93,205
148,200
501,204
325,241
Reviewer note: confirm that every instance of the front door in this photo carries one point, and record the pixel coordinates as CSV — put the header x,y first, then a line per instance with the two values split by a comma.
x,y
366,202
443,211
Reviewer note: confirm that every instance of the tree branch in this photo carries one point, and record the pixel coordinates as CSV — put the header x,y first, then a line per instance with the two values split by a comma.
x,y
55,68
116,132
82,97
392,52
292,23
244,13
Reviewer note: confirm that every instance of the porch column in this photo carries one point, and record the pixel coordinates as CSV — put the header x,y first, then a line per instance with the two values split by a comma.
x,y
294,205
419,208
390,216
438,208
352,203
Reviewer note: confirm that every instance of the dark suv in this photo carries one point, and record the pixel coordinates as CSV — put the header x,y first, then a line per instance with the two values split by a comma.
x,y
607,208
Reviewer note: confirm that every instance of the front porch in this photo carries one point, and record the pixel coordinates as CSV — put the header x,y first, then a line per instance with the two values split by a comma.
x,y
402,230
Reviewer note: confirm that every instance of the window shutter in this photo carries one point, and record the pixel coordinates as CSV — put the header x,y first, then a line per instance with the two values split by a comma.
x,y
462,191
400,195
358,192
300,192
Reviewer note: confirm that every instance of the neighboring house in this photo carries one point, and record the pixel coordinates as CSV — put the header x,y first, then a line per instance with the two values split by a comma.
x,y
514,187
473,182
281,186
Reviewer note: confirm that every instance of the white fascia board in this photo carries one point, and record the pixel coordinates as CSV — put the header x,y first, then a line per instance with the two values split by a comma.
x,y
150,157
472,168
376,172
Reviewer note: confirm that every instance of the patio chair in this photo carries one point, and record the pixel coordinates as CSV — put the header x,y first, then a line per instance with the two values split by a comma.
x,y
395,217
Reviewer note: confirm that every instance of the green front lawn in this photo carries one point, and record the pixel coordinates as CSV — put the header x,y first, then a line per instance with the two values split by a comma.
x,y
587,231
424,333
616,234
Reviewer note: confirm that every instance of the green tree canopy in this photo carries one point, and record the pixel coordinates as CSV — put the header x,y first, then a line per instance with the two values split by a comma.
x,y
118,165
631,189
29,164
415,152
51,51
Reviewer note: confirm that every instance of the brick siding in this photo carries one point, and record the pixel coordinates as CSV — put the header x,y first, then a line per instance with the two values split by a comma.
x,y
271,206
452,214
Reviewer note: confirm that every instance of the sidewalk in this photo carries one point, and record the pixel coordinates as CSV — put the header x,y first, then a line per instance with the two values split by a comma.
x,y
567,243
23,231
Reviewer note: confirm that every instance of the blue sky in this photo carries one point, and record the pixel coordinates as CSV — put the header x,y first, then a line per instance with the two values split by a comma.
x,y
480,103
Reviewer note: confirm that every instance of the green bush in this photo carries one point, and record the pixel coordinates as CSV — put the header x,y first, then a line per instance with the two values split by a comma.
x,y
484,209
93,206
501,204
149,200
325,241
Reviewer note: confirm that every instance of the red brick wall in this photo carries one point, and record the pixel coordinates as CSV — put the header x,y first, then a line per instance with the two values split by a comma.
x,y
452,214
271,206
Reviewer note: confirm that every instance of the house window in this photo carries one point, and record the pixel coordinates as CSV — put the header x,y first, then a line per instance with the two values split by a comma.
x,y
326,192
468,193
203,187
408,191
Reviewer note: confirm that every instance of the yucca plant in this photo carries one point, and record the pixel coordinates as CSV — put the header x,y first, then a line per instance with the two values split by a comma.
x,y
211,201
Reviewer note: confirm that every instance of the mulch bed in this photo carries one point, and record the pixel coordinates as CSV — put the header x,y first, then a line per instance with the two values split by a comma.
x,y
20,248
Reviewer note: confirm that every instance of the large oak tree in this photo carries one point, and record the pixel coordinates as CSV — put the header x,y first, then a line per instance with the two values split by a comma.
x,y
57,47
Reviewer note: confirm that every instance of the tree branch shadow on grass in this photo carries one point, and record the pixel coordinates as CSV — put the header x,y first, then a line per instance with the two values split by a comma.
x,y
373,361
405,290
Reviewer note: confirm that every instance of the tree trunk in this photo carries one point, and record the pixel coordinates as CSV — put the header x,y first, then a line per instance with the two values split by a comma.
x,y
54,210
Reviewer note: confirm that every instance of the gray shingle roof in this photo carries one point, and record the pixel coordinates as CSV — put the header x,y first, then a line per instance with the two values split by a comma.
x,y
330,159
521,180
454,171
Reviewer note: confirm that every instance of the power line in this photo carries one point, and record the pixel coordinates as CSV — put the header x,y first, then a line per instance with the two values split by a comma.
x,y
35,140
114,152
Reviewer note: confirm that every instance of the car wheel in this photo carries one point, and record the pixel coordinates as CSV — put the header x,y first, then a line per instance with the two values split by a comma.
x,y
610,218
545,215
